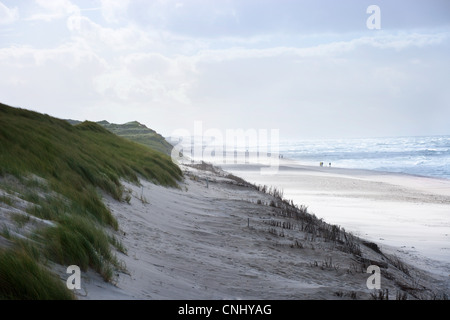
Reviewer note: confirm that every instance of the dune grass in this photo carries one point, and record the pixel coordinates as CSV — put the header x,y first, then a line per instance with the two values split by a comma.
x,y
76,240
72,157
77,160
23,278
76,164
139,133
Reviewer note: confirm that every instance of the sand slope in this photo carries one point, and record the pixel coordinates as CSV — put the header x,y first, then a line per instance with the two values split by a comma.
x,y
405,214
211,239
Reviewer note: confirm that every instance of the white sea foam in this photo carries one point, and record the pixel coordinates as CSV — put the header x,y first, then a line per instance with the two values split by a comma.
x,y
427,156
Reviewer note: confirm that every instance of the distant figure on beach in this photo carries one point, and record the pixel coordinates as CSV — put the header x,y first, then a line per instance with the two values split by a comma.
x,y
329,164
321,163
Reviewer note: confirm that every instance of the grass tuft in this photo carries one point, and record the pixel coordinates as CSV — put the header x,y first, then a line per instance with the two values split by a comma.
x,y
21,277
77,241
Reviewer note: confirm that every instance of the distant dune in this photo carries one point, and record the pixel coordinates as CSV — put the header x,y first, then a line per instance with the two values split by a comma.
x,y
137,132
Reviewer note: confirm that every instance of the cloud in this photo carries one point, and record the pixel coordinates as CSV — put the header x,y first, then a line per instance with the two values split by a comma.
x,y
384,41
56,80
8,15
123,38
131,60
113,11
368,85
55,9
404,40
149,78
70,54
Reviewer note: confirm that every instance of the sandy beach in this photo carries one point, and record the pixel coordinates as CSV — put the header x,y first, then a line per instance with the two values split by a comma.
x,y
405,214
215,238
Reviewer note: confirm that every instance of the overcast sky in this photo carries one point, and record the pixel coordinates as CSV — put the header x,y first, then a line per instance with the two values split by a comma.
x,y
308,68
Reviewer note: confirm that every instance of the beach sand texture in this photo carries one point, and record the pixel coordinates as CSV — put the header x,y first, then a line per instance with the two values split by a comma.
x,y
407,214
212,239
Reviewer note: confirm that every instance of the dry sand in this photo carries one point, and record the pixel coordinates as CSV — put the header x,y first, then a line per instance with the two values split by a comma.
x,y
211,239
405,214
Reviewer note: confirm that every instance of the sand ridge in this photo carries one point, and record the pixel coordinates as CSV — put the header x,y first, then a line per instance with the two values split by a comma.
x,y
214,238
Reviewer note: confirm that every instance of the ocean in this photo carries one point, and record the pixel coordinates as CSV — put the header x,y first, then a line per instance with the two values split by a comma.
x,y
425,156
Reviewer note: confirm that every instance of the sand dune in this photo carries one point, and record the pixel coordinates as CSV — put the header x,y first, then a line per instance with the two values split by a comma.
x,y
213,239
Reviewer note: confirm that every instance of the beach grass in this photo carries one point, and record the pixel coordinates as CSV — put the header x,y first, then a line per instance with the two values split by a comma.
x,y
139,133
75,166
77,241
23,278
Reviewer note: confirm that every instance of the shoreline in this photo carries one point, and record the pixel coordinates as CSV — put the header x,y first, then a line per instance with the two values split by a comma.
x,y
218,237
385,207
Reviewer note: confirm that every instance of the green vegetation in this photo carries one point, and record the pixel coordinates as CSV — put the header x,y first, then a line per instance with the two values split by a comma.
x,y
139,133
77,159
75,240
74,165
6,199
136,132
22,277
20,219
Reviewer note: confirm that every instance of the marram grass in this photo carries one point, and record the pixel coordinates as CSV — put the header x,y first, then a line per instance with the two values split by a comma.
x,y
23,278
78,164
